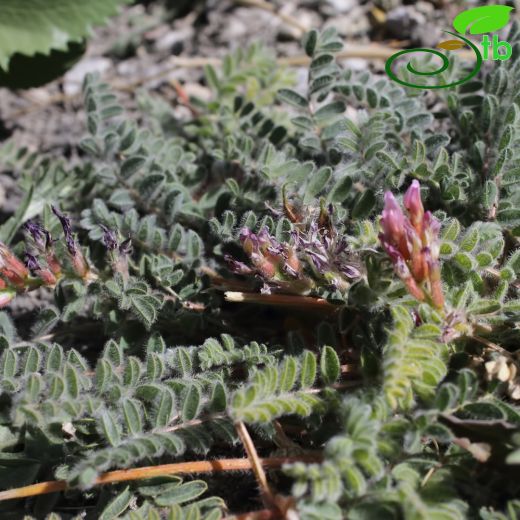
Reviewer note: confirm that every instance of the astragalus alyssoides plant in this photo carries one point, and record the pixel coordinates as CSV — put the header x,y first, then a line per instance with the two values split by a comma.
x,y
286,305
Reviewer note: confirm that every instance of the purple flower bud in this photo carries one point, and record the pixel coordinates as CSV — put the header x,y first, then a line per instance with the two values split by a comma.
x,y
413,245
249,240
11,267
109,238
36,231
125,248
67,229
31,262
413,204
237,267
42,238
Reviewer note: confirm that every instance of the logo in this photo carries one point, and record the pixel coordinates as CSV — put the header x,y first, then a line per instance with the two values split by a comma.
x,y
480,20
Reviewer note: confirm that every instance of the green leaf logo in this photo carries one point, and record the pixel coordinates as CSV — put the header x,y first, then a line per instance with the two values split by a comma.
x,y
480,20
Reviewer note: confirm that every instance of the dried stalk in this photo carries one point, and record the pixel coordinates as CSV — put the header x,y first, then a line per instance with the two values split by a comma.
x,y
284,300
126,475
490,345
256,465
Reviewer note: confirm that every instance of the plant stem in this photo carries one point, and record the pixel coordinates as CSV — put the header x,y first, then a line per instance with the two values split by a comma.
x,y
125,475
256,465
285,300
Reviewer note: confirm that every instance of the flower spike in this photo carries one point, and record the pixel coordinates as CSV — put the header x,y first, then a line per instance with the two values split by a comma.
x,y
412,243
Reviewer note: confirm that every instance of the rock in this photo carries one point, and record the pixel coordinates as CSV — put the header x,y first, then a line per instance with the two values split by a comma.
x,y
197,90
74,78
410,23
354,24
355,64
333,7
304,17
172,40
403,20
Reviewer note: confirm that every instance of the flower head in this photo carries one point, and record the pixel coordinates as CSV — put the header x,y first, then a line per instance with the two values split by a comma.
x,y
79,263
31,262
412,243
125,247
67,230
413,204
45,275
41,237
44,244
109,238
11,268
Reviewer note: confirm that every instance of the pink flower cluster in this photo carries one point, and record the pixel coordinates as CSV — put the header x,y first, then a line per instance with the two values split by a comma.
x,y
412,242
40,266
269,258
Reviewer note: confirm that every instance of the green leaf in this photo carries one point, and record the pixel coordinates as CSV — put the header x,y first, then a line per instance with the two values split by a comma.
x,y
110,428
165,408
308,370
327,111
183,493
132,415
212,78
218,398
364,204
8,363
309,41
317,182
292,97
452,230
144,308
150,185
132,165
481,411
9,228
480,20
470,240
103,375
191,403
340,190
513,457
484,306
117,506
287,374
72,381
32,26
490,194
321,61
329,365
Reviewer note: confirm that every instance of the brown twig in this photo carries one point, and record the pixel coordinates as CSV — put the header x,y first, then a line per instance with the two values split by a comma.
x,y
284,300
126,475
256,465
490,345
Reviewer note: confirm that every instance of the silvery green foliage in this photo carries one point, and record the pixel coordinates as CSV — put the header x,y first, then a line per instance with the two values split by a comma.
x,y
147,363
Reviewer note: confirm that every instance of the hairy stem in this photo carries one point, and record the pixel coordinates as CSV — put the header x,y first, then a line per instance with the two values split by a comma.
x,y
126,475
